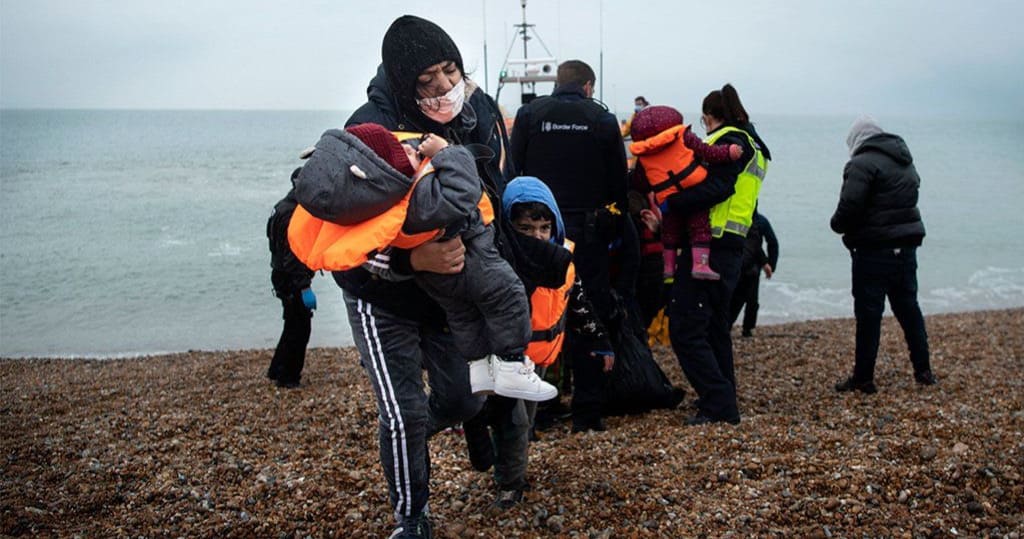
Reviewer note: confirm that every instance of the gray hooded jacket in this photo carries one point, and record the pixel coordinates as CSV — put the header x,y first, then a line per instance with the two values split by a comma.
x,y
345,182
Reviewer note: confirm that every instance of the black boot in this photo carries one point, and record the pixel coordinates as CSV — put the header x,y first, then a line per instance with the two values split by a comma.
x,y
479,444
925,378
868,387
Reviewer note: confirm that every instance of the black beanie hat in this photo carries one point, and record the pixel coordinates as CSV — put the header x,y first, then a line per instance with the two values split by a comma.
x,y
411,45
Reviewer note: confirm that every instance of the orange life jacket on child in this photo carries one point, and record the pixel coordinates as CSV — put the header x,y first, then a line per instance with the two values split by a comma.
x,y
668,164
323,245
548,308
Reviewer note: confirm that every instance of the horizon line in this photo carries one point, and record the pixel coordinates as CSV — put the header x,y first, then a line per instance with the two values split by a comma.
x,y
627,113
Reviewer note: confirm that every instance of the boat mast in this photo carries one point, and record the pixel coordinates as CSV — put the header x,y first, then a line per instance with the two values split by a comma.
x,y
487,77
532,70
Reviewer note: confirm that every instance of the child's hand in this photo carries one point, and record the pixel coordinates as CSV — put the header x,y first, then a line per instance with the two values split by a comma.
x,y
607,356
735,151
650,219
431,144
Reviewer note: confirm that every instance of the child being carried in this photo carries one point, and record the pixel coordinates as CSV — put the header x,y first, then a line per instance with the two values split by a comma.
x,y
367,175
671,157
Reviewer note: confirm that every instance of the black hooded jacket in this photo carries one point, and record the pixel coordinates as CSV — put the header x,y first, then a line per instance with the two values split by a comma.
x,y
477,128
290,275
878,203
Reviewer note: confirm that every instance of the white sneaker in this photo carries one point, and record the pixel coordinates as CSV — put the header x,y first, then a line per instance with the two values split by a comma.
x,y
517,380
481,375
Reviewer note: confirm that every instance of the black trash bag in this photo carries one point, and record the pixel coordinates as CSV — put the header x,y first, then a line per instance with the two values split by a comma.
x,y
636,384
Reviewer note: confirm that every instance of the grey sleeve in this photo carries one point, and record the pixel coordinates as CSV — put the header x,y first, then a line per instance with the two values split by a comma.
x,y
448,195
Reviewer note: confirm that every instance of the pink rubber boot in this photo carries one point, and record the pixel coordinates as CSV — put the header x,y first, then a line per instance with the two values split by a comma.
x,y
701,270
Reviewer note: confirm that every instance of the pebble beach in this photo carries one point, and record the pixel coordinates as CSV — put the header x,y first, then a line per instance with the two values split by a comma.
x,y
201,444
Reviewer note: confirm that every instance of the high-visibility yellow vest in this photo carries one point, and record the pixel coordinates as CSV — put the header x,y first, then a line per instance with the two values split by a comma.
x,y
736,213
548,308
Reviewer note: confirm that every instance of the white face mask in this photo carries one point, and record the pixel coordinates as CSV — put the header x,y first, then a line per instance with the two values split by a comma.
x,y
445,108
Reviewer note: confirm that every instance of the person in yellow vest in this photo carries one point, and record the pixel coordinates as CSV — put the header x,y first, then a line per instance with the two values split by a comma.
x,y
363,167
669,157
699,316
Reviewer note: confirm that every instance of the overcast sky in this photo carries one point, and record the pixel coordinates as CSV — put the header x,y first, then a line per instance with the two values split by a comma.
x,y
913,57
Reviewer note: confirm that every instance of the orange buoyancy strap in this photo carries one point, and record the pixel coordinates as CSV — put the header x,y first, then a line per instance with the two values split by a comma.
x,y
549,307
668,164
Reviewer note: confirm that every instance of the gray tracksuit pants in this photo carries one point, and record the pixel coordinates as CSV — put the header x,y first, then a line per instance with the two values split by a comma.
x,y
394,351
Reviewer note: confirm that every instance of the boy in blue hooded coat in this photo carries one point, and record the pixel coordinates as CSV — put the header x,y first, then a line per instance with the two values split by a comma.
x,y
542,257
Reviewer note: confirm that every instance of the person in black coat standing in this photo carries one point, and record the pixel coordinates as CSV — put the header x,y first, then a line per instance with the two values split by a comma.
x,y
291,280
753,263
881,226
573,144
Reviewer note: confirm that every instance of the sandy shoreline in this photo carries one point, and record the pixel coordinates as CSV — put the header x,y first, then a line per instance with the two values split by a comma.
x,y
200,444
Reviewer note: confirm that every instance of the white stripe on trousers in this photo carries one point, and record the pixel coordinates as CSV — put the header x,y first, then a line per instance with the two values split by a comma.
x,y
399,443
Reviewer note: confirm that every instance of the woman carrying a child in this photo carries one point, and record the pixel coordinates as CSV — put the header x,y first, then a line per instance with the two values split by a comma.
x,y
699,320
397,328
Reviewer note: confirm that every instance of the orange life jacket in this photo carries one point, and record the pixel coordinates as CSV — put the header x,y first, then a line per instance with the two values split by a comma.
x,y
323,245
668,164
548,308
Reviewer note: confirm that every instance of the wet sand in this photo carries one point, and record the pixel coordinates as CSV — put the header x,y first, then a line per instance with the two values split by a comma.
x,y
200,444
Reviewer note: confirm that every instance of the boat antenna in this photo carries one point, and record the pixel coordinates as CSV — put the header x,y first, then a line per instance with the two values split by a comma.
x,y
487,77
600,32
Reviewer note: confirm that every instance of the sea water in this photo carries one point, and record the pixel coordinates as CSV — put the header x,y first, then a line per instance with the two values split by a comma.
x,y
138,232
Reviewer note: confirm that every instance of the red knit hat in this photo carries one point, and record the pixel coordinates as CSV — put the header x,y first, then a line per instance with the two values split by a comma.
x,y
384,144
653,120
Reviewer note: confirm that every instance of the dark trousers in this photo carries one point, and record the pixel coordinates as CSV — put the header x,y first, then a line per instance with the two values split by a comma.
x,y
746,294
290,354
508,421
650,287
592,265
877,274
699,330
394,351
588,377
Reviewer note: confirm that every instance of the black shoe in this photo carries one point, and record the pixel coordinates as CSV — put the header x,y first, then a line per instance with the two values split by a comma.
x,y
479,444
583,425
273,374
506,499
701,419
288,384
868,387
747,333
925,378
413,528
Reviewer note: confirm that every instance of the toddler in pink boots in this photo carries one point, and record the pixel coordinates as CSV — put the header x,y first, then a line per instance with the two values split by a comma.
x,y
672,158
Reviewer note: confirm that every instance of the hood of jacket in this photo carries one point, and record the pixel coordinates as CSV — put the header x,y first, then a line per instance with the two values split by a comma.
x,y
379,93
531,189
889,144
345,182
